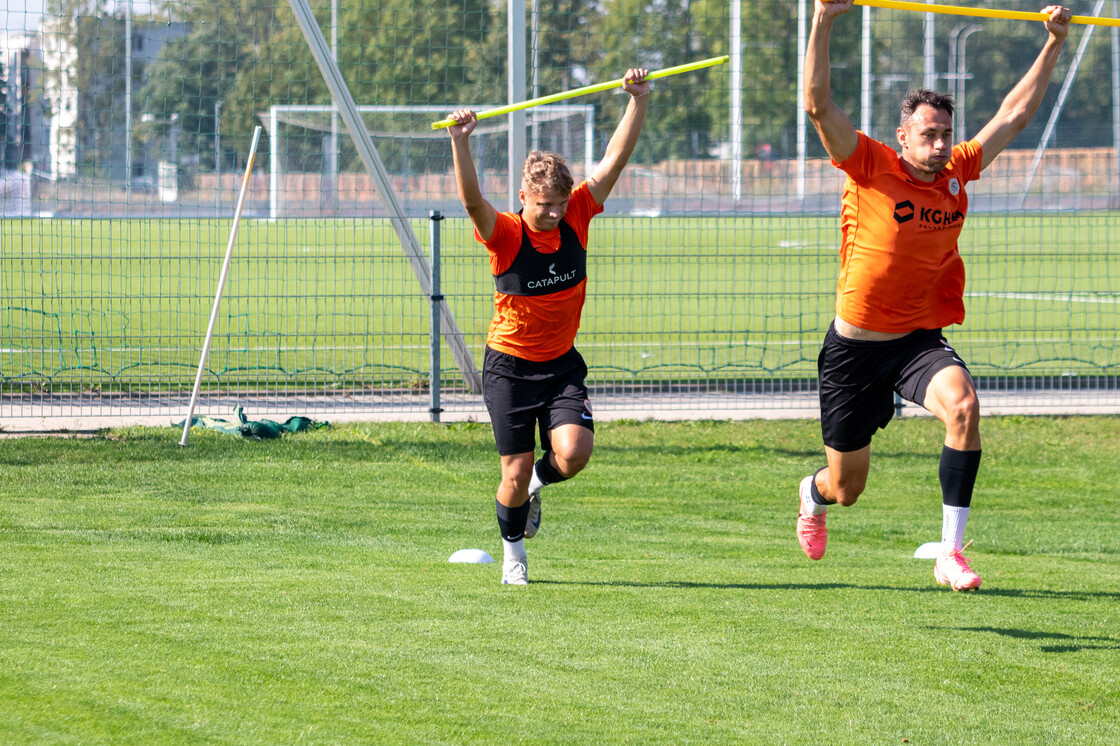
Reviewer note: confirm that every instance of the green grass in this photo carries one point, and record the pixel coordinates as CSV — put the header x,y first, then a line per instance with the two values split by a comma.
x,y
298,591
120,304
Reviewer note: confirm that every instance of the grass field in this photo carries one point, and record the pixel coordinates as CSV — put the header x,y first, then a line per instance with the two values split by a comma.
x,y
124,304
298,591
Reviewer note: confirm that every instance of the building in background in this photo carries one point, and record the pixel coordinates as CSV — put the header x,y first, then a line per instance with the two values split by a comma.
x,y
60,97
83,89
22,118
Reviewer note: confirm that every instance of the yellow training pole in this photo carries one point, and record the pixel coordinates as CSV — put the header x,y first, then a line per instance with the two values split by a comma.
x,y
584,91
958,10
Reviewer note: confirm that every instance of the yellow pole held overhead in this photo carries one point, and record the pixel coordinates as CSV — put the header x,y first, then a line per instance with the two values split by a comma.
x,y
959,10
585,90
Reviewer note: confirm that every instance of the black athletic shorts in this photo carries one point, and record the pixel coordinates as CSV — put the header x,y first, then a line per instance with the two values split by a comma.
x,y
522,395
858,379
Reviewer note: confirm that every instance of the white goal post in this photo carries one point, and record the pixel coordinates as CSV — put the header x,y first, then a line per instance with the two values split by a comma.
x,y
566,128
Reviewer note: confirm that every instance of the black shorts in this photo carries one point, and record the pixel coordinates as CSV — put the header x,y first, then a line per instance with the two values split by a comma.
x,y
521,395
858,379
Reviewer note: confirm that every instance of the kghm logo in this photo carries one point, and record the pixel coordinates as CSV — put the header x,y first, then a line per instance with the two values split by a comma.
x,y
940,218
905,211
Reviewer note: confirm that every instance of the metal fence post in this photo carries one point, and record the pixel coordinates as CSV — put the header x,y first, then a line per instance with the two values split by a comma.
x,y
434,335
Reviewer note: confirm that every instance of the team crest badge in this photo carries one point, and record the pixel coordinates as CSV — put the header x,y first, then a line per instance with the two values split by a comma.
x,y
954,187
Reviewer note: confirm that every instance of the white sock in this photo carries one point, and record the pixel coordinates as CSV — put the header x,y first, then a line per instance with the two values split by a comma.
x,y
535,483
811,507
953,520
514,550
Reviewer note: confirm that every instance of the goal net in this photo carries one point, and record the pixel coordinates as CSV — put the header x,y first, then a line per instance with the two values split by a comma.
x,y
317,173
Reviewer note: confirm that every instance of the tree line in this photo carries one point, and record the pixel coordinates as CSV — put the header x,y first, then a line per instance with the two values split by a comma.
x,y
250,54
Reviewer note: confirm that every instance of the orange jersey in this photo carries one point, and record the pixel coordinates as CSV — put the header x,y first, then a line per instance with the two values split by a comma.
x,y
537,327
899,265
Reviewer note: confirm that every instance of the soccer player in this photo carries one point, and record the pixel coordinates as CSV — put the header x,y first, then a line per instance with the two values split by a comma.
x,y
532,373
901,281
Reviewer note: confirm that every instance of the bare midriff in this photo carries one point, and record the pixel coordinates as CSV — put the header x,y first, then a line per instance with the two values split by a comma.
x,y
851,331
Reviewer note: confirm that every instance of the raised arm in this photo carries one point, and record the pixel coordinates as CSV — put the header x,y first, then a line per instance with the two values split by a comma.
x,y
625,137
835,129
483,214
1022,102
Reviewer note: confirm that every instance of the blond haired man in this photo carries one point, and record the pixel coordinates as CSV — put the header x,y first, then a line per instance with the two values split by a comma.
x,y
532,374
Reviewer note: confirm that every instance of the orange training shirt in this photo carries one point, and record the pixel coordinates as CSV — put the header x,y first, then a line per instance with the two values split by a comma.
x,y
537,327
899,265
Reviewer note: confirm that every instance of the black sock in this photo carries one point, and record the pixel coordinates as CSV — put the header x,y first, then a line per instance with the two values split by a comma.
x,y
511,521
814,493
957,472
546,471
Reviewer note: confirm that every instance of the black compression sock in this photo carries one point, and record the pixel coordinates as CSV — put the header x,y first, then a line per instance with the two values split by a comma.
x,y
546,471
511,521
814,493
957,472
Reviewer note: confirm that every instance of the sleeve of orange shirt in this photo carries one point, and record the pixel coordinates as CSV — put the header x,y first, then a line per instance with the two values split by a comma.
x,y
870,159
504,242
969,155
581,208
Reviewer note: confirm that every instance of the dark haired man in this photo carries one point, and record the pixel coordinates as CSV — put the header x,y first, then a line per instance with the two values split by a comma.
x,y
901,281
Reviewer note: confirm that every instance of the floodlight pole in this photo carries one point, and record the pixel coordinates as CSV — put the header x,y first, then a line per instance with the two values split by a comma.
x,y
217,157
958,76
736,114
348,110
865,78
332,155
802,117
128,102
1115,103
929,55
534,52
516,88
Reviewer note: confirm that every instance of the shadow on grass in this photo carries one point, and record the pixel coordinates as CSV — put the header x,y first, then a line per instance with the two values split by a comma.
x,y
661,451
1072,645
229,448
687,585
682,584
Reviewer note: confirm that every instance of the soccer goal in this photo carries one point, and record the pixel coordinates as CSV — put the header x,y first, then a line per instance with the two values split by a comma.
x,y
316,173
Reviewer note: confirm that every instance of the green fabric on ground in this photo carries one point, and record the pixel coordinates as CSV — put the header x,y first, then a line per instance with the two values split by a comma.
x,y
260,429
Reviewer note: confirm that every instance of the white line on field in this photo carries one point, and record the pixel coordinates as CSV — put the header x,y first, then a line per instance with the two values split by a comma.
x,y
1046,297
811,341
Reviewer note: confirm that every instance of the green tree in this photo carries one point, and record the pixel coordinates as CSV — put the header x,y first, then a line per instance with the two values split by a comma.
x,y
190,76
564,45
195,73
100,82
662,34
771,99
390,52
999,53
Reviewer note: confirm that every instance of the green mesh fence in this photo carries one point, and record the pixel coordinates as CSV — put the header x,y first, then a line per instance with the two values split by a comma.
x,y
125,128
